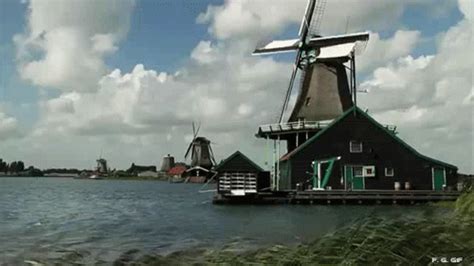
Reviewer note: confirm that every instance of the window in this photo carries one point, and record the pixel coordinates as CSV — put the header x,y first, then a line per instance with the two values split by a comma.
x,y
358,171
355,146
308,99
389,171
369,171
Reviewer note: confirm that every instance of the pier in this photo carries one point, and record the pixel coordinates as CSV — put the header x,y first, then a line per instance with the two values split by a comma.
x,y
337,197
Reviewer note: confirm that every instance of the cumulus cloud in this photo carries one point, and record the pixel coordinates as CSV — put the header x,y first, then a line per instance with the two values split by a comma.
x,y
430,97
66,41
8,127
144,101
148,112
380,51
251,18
258,20
466,7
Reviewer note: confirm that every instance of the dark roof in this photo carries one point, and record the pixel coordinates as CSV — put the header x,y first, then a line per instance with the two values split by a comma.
x,y
140,168
373,121
238,155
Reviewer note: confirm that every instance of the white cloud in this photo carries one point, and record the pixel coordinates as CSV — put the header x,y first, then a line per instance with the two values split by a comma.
x,y
8,127
466,7
204,53
256,19
148,114
380,51
66,41
251,18
430,98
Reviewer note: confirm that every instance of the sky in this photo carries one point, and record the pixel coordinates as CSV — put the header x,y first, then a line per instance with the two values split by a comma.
x,y
125,79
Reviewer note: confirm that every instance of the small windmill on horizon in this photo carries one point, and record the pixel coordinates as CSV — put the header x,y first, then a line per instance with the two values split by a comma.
x,y
200,150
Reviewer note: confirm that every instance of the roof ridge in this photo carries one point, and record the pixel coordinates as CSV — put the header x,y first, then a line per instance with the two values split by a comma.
x,y
236,153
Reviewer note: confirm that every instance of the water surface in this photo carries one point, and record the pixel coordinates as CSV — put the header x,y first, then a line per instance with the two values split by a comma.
x,y
97,220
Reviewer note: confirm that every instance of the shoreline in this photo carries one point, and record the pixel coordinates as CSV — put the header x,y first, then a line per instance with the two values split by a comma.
x,y
138,178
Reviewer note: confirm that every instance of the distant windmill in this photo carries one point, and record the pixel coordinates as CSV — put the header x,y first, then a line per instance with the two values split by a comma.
x,y
325,92
201,151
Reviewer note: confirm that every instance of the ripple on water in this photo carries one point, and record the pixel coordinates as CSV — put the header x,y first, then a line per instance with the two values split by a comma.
x,y
62,220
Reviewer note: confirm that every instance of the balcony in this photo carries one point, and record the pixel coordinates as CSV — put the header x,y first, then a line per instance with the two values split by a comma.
x,y
280,128
301,126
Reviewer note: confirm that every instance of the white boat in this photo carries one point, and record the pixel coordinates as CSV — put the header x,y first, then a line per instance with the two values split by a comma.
x,y
94,176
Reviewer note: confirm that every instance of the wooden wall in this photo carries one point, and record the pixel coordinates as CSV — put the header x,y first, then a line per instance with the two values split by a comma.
x,y
379,149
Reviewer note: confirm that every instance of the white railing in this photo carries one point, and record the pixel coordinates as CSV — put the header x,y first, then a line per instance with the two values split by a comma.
x,y
300,125
238,184
304,125
392,128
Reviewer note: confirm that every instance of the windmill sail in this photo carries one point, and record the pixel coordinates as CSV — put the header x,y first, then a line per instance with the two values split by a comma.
x,y
325,92
338,39
278,46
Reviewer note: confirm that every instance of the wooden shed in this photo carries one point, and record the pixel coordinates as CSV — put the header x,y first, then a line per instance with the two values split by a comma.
x,y
238,176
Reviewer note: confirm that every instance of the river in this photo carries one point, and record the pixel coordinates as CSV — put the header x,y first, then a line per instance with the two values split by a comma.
x,y
45,219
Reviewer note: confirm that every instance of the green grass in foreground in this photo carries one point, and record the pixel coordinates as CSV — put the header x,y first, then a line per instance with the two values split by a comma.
x,y
373,241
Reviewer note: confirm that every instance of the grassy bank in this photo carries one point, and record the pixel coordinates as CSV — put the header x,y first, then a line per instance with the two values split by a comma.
x,y
372,241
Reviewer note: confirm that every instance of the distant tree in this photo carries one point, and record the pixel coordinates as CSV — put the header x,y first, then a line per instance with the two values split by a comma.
x,y
3,166
20,166
12,168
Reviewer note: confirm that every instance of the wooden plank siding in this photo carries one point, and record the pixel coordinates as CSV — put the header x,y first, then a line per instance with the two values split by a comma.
x,y
379,149
238,163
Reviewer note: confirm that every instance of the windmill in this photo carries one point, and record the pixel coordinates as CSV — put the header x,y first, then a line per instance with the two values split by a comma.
x,y
324,91
202,155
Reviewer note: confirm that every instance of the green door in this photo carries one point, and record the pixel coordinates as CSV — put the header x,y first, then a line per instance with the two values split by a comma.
x,y
354,182
439,178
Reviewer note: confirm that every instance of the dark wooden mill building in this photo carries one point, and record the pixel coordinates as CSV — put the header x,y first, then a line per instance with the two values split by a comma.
x,y
371,157
334,150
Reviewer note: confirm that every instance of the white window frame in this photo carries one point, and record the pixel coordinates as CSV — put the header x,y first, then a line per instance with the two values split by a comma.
x,y
354,142
386,172
365,168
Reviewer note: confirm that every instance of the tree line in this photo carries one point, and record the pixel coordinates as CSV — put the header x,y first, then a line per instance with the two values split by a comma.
x,y
13,167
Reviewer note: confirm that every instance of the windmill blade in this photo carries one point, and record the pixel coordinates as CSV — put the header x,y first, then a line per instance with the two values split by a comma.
x,y
342,51
194,130
189,148
290,86
197,130
279,46
319,42
305,23
212,155
315,23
